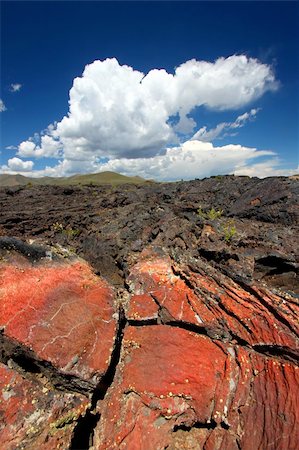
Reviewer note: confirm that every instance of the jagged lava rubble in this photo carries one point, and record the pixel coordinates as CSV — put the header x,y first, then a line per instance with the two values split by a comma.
x,y
148,317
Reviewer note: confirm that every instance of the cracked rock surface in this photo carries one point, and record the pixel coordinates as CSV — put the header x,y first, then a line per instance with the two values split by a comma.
x,y
131,321
34,415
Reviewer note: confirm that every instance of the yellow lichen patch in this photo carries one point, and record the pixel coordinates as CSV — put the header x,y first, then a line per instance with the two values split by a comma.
x,y
65,420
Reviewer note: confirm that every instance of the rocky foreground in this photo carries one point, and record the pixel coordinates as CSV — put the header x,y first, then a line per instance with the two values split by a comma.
x,y
159,316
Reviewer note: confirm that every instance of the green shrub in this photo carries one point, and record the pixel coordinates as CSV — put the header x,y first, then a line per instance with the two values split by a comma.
x,y
229,230
57,227
212,214
225,228
67,231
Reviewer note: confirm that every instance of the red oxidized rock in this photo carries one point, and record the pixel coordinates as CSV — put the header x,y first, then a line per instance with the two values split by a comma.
x,y
177,389
204,363
61,312
162,369
218,372
34,416
155,286
208,299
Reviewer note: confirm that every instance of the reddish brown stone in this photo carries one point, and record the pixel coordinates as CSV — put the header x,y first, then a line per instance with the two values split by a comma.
x,y
216,302
205,377
142,307
34,416
177,389
255,202
205,362
155,285
60,311
162,376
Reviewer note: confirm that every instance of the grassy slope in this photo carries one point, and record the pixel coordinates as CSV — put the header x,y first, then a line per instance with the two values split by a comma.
x,y
95,178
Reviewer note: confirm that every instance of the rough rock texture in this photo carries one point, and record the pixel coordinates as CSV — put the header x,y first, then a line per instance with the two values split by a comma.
x,y
48,305
178,329
110,226
34,415
179,389
205,363
198,295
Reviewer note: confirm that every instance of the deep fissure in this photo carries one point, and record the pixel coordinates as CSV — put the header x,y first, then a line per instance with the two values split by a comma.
x,y
84,431
211,425
26,363
274,265
222,335
277,352
103,386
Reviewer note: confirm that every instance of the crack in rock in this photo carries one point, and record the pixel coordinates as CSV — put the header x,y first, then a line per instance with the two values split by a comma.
x,y
24,360
83,433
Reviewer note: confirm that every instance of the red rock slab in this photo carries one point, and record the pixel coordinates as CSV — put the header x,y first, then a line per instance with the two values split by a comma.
x,y
34,416
62,312
272,415
177,389
255,314
209,299
155,285
142,307
161,375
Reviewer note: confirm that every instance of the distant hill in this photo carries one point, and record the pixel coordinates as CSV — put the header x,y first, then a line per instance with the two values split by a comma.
x,y
112,178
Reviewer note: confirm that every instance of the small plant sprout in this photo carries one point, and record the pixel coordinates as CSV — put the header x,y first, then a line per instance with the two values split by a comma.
x,y
229,230
67,231
212,214
57,227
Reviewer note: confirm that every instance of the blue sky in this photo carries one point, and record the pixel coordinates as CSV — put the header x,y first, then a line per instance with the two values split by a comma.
x,y
227,100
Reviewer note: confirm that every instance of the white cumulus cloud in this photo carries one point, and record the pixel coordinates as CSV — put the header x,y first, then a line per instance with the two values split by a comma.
x,y
193,159
269,168
136,122
17,165
15,87
116,111
49,148
222,129
2,106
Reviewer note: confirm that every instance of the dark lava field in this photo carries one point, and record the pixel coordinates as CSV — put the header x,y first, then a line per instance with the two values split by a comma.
x,y
245,227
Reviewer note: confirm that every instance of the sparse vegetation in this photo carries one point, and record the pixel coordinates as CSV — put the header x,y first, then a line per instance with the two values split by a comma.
x,y
64,421
212,214
229,230
57,227
67,231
